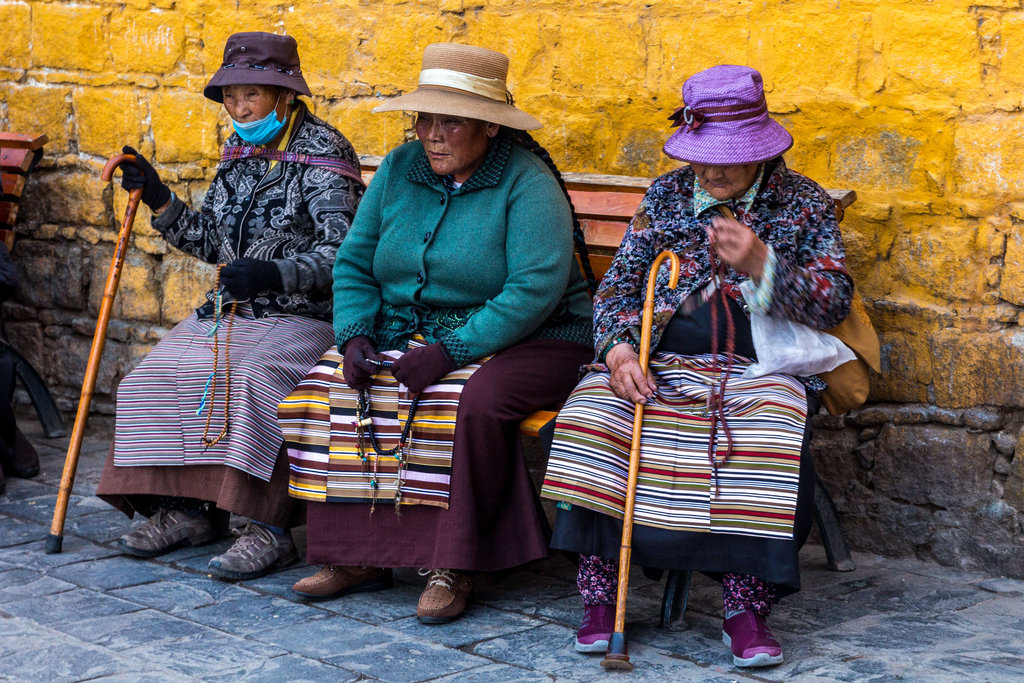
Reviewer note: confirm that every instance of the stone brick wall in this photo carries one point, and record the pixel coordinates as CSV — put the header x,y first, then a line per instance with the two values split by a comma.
x,y
915,105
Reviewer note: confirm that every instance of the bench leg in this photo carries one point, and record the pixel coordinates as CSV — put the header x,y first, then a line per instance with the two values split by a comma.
x,y
49,416
837,550
673,601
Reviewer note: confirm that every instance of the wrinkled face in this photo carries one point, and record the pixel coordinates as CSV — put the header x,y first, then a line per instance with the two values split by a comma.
x,y
725,182
455,146
247,103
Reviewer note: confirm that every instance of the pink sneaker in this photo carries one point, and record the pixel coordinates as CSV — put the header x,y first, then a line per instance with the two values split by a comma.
x,y
597,627
751,642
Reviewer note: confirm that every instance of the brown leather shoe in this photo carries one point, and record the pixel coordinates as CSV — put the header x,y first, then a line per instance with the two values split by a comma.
x,y
334,582
444,599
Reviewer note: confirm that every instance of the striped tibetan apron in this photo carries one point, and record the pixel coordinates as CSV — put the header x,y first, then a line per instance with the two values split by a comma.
x,y
159,415
757,485
332,462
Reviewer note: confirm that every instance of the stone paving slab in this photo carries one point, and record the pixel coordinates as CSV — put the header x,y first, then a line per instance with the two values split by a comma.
x,y
89,613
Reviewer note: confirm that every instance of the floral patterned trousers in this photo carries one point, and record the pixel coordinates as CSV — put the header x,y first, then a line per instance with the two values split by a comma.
x,y
598,581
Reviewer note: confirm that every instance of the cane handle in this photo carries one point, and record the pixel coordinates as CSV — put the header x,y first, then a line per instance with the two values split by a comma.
x,y
115,161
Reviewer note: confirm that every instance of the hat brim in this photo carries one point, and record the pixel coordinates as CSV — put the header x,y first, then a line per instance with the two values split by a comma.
x,y
247,76
753,143
433,100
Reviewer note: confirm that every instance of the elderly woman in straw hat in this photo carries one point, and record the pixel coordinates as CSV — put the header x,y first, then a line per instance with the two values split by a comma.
x,y
196,437
727,482
458,310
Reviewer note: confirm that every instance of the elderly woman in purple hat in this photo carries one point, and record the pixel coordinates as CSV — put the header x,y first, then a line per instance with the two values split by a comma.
x,y
196,437
726,481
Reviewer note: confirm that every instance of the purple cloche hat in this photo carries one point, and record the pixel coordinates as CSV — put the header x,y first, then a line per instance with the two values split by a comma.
x,y
725,121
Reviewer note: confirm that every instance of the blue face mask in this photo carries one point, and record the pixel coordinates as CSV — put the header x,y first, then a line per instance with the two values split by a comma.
x,y
260,132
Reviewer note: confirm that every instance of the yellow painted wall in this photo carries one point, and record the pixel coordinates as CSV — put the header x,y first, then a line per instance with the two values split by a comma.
x,y
915,105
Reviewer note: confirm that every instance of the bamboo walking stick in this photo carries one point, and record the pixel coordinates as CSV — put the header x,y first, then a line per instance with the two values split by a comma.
x,y
617,656
56,538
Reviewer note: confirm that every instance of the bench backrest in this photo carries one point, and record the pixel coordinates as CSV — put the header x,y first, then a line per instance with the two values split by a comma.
x,y
605,204
18,156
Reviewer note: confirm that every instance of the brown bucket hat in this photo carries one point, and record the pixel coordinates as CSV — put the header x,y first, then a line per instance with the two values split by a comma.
x,y
463,80
261,59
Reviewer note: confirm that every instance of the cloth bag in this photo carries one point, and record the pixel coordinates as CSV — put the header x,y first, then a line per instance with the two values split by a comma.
x,y
848,383
791,348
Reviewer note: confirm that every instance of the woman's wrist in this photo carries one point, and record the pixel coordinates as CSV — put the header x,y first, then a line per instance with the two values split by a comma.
x,y
618,354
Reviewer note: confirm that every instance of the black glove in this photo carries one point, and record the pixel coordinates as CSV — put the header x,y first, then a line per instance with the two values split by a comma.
x,y
142,174
358,373
244,277
422,366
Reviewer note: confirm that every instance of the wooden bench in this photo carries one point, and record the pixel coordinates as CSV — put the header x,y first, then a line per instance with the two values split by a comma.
x,y
19,154
605,204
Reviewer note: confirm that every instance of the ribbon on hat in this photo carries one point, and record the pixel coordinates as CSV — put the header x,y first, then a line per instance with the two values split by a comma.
x,y
491,88
693,118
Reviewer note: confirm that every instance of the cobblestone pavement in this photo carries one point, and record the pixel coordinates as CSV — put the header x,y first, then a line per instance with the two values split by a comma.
x,y
89,613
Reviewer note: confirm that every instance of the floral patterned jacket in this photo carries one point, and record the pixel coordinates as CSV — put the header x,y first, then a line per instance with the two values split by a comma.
x,y
291,213
790,213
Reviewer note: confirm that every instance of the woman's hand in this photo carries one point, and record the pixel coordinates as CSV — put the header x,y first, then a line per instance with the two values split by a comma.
x,y
627,379
738,246
356,368
142,175
418,368
245,277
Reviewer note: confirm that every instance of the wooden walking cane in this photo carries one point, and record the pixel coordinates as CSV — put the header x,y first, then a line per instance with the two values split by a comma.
x,y
617,656
56,538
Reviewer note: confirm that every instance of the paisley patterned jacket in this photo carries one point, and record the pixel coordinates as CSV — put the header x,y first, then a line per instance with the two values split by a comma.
x,y
791,213
291,213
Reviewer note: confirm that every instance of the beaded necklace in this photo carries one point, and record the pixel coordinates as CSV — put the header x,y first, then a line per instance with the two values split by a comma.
x,y
716,397
211,381
364,428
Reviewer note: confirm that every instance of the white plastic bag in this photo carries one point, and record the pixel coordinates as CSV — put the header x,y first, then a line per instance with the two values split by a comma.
x,y
792,348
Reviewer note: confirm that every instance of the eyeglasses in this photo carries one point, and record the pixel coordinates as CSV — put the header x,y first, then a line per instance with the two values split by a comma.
x,y
449,124
263,67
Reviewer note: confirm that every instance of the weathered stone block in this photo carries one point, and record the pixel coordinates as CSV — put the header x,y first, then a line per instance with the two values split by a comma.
x,y
66,197
35,109
70,36
984,417
56,276
185,282
989,156
16,18
150,40
184,126
932,465
107,119
137,296
913,66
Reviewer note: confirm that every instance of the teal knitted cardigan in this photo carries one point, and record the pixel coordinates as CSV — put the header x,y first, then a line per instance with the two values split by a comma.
x,y
477,268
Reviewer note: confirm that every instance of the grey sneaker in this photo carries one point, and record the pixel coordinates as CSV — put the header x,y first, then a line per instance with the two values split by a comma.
x,y
256,552
165,531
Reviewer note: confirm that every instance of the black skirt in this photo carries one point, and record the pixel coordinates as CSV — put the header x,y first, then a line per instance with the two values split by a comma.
x,y
583,531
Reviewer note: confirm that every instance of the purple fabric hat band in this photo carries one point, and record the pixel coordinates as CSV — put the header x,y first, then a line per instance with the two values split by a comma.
x,y
725,120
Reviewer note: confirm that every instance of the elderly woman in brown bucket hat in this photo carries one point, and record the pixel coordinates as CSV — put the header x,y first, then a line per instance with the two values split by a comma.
x,y
459,309
196,437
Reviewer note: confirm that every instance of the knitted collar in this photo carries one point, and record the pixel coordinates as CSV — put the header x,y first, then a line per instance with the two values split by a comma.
x,y
702,201
487,175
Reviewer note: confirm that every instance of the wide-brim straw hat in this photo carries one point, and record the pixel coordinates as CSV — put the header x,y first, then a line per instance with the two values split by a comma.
x,y
724,120
257,58
464,81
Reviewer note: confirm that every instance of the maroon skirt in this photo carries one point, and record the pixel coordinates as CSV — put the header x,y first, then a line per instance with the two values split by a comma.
x,y
494,519
140,489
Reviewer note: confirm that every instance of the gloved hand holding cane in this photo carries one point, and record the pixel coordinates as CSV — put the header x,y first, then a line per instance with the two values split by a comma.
x,y
140,174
